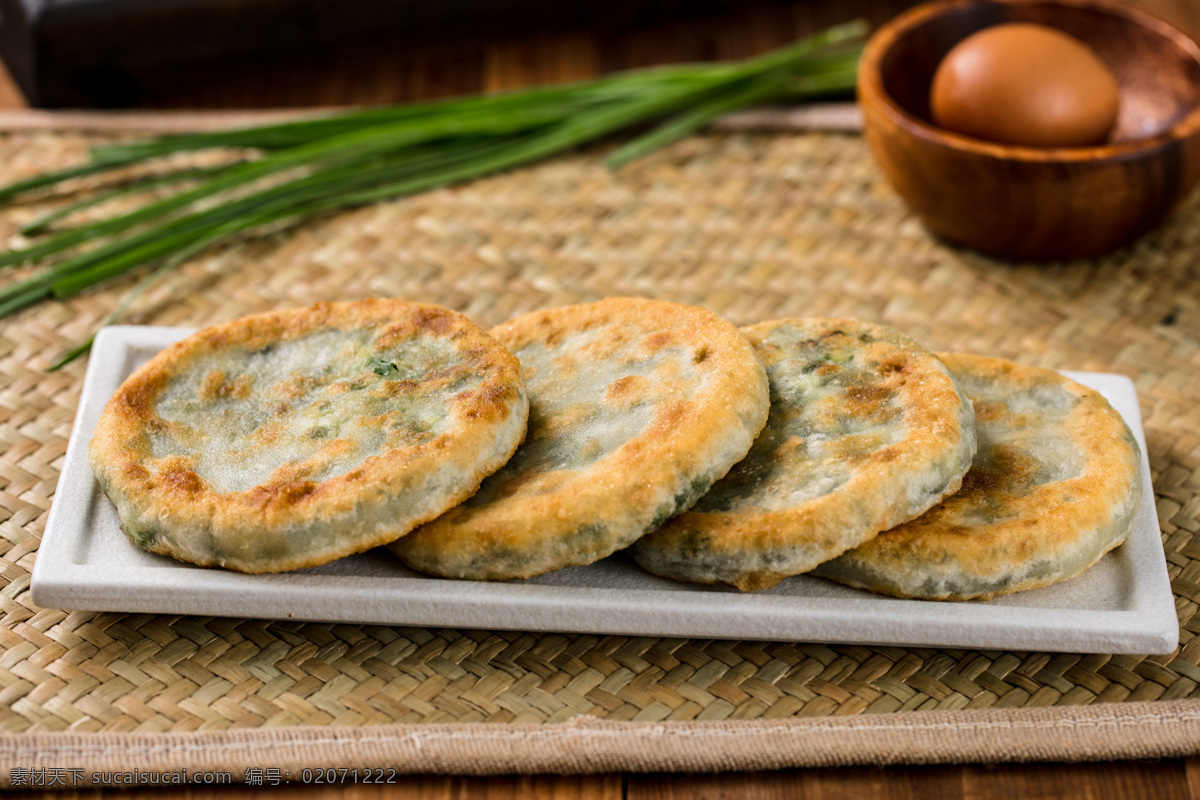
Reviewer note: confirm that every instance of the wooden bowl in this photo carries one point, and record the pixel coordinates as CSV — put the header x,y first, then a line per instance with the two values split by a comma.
x,y
1027,202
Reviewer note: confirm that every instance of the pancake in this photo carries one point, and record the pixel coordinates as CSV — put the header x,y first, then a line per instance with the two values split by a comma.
x,y
1055,485
867,430
636,407
293,438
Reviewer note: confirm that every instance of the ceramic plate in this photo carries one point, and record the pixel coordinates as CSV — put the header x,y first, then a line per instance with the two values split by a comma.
x,y
1122,605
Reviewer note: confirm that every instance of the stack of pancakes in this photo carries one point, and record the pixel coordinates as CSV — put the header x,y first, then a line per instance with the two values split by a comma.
x,y
716,455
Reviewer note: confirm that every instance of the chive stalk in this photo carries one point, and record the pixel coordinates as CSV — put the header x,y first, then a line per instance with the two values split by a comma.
x,y
304,167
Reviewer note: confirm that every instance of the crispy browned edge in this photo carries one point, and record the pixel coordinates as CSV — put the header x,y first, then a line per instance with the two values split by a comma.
x,y
934,407
120,445
644,472
1112,474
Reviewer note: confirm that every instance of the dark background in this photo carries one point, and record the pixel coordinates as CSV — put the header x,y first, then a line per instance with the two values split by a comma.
x,y
299,53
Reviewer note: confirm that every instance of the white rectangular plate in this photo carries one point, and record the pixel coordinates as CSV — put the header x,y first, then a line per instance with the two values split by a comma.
x,y
1122,605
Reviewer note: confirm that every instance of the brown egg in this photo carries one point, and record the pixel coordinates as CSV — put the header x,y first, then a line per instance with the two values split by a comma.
x,y
1025,84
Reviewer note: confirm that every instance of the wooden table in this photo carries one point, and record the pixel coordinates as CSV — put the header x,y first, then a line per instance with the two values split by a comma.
x,y
464,67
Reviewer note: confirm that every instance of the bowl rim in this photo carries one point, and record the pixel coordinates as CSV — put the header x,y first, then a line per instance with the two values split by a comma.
x,y
870,85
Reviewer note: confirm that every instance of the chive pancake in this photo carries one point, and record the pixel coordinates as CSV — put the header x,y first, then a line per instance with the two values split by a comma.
x,y
636,408
867,430
1055,485
292,438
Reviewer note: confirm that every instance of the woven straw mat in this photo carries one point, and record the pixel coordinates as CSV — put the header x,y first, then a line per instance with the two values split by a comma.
x,y
751,226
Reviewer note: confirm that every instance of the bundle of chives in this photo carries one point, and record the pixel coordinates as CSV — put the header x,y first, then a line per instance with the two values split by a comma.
x,y
292,170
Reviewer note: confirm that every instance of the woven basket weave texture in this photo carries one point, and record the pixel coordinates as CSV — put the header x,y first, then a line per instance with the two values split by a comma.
x,y
752,227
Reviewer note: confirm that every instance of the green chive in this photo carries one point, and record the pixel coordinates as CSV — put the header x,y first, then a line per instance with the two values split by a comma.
x,y
286,172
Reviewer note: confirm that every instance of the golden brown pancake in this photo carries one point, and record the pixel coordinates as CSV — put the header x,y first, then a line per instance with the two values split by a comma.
x,y
292,438
867,430
636,407
1055,485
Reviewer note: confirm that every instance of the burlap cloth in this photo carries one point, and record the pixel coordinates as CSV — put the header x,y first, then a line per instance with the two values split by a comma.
x,y
752,226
